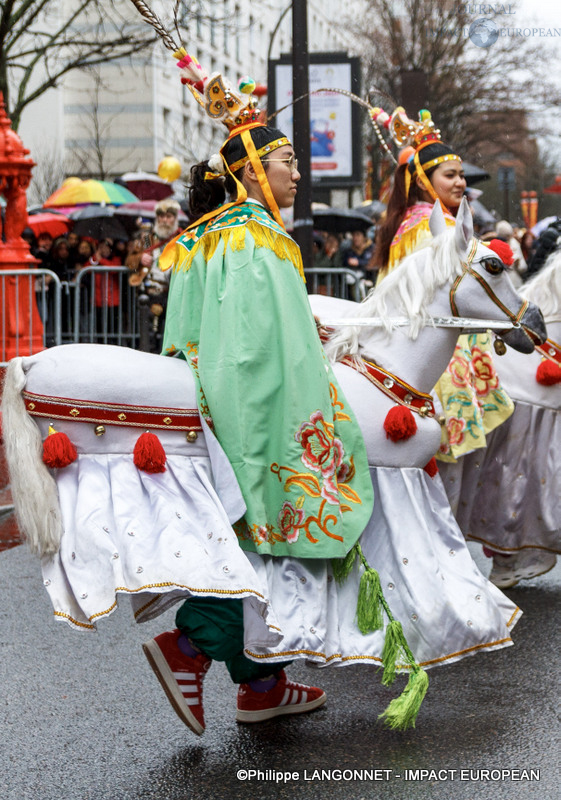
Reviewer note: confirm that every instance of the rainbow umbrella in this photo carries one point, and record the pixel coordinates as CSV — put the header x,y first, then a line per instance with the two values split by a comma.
x,y
89,192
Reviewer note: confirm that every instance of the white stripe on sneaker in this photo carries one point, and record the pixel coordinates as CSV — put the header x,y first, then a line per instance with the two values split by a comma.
x,y
286,697
184,676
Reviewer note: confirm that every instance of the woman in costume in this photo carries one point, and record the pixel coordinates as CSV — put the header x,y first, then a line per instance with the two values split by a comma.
x,y
472,400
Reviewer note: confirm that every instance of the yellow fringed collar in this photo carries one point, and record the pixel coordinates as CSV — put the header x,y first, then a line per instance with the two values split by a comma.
x,y
230,229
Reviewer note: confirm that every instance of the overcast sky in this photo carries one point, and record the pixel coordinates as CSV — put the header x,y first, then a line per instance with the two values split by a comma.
x,y
544,14
547,12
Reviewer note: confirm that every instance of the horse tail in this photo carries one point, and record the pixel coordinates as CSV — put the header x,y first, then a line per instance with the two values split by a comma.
x,y
33,487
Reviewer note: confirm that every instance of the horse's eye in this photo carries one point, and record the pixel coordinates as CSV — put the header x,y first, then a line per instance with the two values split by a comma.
x,y
493,266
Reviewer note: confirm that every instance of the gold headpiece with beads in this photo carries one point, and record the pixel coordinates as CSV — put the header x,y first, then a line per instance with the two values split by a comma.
x,y
235,108
222,103
407,132
416,134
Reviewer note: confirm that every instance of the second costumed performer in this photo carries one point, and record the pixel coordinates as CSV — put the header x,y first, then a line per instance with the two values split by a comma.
x,y
472,399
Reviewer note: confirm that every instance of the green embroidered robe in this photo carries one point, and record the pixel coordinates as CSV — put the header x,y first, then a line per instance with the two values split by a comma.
x,y
238,312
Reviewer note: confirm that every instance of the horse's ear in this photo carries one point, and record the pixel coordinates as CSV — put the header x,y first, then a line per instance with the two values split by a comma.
x,y
437,223
464,227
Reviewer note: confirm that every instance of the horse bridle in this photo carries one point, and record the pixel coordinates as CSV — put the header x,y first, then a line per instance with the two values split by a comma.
x,y
468,270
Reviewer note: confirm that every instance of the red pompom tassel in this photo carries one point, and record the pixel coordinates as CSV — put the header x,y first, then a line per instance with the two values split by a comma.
x,y
548,373
399,424
503,250
58,450
149,454
431,468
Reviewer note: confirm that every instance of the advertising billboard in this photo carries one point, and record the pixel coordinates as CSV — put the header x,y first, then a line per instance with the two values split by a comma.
x,y
335,121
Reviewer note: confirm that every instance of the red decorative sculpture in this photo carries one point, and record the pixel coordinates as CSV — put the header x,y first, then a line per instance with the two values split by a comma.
x,y
21,329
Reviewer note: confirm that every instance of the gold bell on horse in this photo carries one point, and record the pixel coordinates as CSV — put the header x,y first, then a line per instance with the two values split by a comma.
x,y
500,346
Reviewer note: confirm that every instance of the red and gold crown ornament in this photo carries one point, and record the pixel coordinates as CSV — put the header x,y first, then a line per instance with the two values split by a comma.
x,y
407,132
221,101
236,108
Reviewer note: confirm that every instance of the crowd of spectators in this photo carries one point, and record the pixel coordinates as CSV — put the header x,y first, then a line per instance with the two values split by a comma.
x,y
354,250
104,279
107,296
103,306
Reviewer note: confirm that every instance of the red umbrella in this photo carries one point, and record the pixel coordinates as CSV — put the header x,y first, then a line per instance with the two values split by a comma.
x,y
55,224
147,186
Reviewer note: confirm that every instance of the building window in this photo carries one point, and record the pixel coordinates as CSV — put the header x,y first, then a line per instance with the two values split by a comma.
x,y
199,20
213,27
237,33
226,28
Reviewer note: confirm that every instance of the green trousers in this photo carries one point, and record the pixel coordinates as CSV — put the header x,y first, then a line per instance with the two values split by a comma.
x,y
215,626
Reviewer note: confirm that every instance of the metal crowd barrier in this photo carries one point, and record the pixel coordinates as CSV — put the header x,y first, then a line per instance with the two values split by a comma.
x,y
335,282
40,287
100,307
105,307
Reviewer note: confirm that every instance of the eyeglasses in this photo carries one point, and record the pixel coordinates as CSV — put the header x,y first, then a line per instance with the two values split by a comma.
x,y
292,162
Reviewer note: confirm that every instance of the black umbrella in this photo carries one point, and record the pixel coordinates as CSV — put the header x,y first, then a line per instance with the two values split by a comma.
x,y
474,174
372,209
97,222
481,215
340,220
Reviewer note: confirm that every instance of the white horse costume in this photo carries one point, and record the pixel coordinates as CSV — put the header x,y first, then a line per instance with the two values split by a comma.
x,y
104,528
508,497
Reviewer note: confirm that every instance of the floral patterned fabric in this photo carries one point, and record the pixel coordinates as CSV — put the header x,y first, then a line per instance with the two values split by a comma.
x,y
470,393
471,396
238,312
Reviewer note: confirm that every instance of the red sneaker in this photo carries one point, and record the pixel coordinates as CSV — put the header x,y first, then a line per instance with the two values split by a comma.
x,y
181,677
285,697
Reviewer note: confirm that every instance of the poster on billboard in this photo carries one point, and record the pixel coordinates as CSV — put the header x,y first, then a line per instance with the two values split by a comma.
x,y
335,121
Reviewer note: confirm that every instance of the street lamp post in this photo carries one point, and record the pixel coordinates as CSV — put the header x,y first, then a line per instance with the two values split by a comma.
x,y
303,222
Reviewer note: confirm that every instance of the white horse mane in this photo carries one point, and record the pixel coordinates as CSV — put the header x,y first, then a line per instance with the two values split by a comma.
x,y
410,287
544,289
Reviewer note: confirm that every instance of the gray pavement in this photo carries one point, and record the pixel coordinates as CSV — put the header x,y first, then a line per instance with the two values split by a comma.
x,y
83,718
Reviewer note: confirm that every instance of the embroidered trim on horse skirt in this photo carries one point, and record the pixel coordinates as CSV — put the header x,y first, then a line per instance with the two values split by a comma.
x,y
174,419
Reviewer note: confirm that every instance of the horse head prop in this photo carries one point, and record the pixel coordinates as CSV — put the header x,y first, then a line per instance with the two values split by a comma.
x,y
485,266
453,275
409,325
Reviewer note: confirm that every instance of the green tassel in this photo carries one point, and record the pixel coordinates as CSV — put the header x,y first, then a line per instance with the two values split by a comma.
x,y
342,567
402,711
393,647
369,607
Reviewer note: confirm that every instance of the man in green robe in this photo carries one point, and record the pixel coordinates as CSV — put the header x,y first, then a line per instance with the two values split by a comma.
x,y
238,313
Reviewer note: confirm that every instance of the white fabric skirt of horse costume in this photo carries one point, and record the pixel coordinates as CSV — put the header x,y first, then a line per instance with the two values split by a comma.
x,y
161,538
508,497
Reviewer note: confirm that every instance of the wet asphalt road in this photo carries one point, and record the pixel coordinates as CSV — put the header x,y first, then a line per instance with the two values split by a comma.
x,y
83,718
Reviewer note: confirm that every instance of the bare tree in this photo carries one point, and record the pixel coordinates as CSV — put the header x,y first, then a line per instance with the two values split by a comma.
x,y
43,40
48,174
475,94
89,157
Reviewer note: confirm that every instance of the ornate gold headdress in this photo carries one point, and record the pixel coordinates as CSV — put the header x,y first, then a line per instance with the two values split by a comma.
x,y
224,104
417,134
